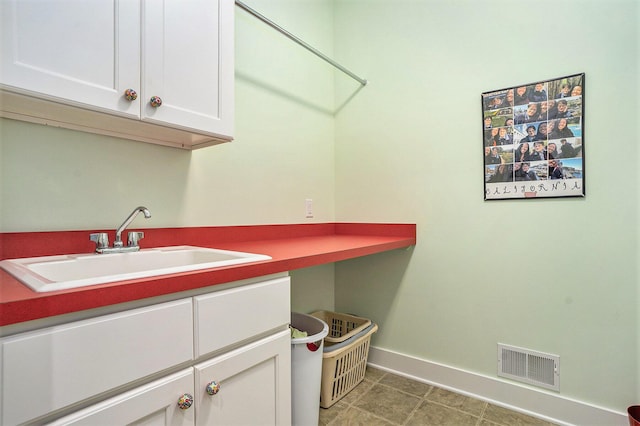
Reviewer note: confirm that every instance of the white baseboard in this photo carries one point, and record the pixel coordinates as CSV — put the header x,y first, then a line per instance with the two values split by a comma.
x,y
538,403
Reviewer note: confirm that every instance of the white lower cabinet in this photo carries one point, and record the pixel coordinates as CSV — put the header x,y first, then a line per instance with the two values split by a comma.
x,y
222,390
151,404
49,369
254,385
157,354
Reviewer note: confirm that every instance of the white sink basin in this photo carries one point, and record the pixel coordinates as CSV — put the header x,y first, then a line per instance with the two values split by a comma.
x,y
51,273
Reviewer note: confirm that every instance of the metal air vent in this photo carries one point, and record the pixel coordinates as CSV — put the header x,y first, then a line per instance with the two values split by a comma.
x,y
527,366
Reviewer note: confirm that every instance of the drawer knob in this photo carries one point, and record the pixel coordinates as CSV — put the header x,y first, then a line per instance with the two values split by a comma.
x,y
185,401
213,388
130,95
155,101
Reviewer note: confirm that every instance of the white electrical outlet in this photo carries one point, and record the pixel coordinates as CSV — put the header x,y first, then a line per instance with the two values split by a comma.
x,y
308,208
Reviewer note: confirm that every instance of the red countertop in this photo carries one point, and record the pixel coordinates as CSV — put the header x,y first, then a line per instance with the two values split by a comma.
x,y
290,247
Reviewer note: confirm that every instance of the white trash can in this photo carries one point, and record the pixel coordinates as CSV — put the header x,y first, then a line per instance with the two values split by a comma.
x,y
306,369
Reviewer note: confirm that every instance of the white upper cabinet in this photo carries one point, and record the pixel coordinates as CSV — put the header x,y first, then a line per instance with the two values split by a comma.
x,y
70,63
181,64
82,52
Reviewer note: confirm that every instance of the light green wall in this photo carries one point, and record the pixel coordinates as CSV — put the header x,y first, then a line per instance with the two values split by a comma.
x,y
283,152
556,275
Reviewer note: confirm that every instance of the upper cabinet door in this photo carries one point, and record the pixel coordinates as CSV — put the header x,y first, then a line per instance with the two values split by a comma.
x,y
187,61
85,53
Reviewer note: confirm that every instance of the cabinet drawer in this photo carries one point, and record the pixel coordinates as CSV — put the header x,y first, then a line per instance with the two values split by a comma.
x,y
52,368
152,404
231,316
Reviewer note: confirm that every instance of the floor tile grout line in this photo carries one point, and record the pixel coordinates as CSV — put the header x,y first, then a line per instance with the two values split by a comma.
x,y
459,410
402,391
415,409
377,416
353,405
371,380
484,408
423,399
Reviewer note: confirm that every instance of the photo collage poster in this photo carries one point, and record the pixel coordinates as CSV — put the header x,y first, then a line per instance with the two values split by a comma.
x,y
533,140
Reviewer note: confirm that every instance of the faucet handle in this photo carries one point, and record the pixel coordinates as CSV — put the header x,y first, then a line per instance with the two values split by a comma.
x,y
101,239
134,238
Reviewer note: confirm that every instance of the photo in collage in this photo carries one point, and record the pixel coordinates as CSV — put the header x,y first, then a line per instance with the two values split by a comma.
x,y
533,140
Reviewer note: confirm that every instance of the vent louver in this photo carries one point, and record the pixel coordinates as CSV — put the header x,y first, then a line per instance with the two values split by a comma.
x,y
527,366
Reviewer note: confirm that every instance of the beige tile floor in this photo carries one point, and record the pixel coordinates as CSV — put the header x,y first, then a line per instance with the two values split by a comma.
x,y
384,399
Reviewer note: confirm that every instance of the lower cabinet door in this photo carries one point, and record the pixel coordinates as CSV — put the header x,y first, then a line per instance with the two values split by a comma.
x,y
155,403
62,365
250,385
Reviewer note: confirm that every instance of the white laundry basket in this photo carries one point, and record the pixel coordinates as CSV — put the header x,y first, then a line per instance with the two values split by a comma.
x,y
306,369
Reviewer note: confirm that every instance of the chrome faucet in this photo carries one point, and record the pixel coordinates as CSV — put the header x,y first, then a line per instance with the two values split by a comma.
x,y
102,239
127,221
